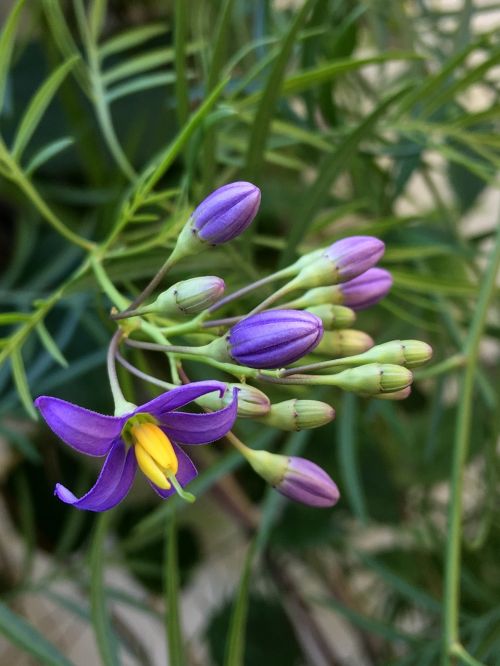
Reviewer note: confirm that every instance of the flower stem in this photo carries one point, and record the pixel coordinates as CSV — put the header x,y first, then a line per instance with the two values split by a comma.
x,y
175,349
460,450
122,406
142,375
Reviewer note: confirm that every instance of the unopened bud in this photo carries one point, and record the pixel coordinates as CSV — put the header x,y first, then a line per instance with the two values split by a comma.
x,y
252,402
333,316
410,353
373,378
367,289
296,478
299,415
340,262
347,342
189,296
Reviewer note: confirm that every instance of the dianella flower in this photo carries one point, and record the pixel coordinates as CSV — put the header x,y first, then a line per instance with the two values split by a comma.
x,y
274,338
366,289
147,437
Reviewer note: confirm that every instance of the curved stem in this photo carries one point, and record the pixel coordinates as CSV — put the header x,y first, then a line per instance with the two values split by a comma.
x,y
460,450
175,349
121,404
142,375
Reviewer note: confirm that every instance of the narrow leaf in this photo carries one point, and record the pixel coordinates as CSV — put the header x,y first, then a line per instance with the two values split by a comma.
x,y
131,38
180,34
21,382
50,344
37,106
47,153
7,38
171,587
348,456
18,631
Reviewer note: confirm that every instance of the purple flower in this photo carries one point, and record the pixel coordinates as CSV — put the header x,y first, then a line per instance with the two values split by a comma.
x,y
227,212
354,255
307,483
366,289
275,338
148,437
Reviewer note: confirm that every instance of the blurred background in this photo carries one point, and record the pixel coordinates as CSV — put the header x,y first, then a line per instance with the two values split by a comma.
x,y
352,117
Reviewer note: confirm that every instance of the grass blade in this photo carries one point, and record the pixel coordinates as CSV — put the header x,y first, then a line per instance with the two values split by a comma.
x,y
171,589
38,105
18,631
21,382
130,39
50,344
47,153
181,90
105,638
7,38
348,457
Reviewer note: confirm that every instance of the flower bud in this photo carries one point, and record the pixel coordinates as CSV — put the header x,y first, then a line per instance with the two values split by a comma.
x,y
410,353
373,378
342,261
395,395
273,339
252,403
333,316
297,478
345,342
226,213
299,415
366,289
189,296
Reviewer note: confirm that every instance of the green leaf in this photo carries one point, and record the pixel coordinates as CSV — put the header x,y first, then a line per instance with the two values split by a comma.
x,y
97,17
145,82
171,587
427,284
270,95
130,39
329,170
106,640
7,39
21,382
47,153
8,318
18,631
50,344
348,457
180,35
37,106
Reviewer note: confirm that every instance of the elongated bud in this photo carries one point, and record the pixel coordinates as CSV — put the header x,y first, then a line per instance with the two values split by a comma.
x,y
342,261
395,395
270,339
189,296
373,378
252,403
299,415
410,353
333,316
366,289
345,342
222,216
296,478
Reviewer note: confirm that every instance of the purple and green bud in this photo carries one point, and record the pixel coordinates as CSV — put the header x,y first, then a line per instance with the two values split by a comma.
x,y
270,339
395,395
294,415
252,402
342,261
296,478
372,379
188,296
333,316
366,289
347,342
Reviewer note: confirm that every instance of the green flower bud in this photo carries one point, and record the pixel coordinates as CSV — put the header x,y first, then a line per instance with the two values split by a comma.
x,y
333,316
410,353
188,296
318,296
373,379
299,415
345,342
252,403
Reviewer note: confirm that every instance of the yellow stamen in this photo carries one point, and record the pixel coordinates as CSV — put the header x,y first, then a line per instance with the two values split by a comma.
x,y
157,444
154,453
150,469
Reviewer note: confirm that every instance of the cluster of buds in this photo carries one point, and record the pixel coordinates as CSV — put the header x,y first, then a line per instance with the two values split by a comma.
x,y
306,339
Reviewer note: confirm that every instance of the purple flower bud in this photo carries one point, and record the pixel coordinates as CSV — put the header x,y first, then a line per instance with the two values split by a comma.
x,y
366,289
307,483
342,261
275,338
226,213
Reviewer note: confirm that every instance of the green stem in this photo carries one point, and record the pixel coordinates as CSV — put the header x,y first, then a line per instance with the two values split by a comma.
x,y
459,651
122,406
453,363
460,450
172,349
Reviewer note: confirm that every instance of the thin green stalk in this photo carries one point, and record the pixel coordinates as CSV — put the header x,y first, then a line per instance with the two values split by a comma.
x,y
171,587
460,450
181,90
460,652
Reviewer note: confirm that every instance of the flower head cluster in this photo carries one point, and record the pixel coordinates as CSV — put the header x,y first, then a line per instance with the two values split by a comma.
x,y
267,345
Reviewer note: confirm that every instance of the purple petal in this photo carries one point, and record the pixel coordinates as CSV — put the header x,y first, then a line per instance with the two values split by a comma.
x,y
86,431
367,289
307,483
185,474
201,428
111,487
178,397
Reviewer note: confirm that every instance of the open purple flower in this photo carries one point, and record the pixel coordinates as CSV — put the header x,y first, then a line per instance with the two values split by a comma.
x,y
148,437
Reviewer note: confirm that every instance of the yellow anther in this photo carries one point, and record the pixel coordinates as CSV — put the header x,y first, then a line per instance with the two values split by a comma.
x,y
152,440
150,468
